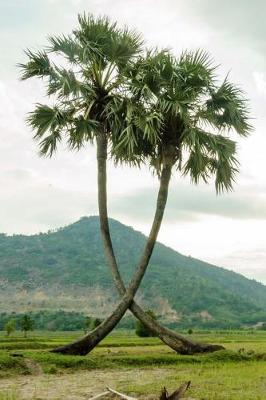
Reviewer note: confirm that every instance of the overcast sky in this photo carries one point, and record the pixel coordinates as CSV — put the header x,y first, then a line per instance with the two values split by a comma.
x,y
38,194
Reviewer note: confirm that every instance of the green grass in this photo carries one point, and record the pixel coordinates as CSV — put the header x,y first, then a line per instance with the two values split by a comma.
x,y
228,374
223,381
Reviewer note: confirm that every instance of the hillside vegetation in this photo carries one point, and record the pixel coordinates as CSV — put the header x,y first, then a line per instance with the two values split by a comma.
x,y
65,269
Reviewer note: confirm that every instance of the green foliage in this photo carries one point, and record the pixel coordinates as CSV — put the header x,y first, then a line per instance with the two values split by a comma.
x,y
50,369
141,330
10,365
73,258
151,105
87,88
96,322
263,326
87,323
51,320
91,323
196,114
10,326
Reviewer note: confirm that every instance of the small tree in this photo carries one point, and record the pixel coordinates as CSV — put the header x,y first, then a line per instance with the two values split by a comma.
x,y
141,329
96,322
91,323
26,324
10,327
263,326
87,324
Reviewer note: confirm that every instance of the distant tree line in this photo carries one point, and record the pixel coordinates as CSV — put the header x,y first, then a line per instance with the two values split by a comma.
x,y
47,320
25,323
61,320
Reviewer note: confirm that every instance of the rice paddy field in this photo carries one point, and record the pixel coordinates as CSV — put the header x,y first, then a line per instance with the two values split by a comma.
x,y
137,366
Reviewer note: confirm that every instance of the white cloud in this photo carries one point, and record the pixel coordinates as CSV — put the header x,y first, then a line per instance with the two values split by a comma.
x,y
32,204
260,82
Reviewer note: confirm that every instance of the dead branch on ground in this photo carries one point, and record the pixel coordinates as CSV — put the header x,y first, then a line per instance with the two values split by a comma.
x,y
176,395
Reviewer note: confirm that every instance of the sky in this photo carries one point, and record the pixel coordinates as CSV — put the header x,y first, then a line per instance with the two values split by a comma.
x,y
37,194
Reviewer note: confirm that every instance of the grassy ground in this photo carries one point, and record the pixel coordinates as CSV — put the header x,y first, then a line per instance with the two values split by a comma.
x,y
140,366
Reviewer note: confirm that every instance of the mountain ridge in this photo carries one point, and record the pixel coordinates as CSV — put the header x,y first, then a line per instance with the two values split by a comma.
x,y
68,265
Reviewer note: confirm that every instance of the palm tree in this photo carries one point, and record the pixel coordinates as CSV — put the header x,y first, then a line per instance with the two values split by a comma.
x,y
98,53
98,107
186,99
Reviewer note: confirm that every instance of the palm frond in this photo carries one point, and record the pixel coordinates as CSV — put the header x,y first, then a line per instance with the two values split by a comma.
x,y
64,83
48,145
82,131
124,45
45,118
38,65
210,155
194,73
67,46
197,166
227,109
95,29
198,59
94,34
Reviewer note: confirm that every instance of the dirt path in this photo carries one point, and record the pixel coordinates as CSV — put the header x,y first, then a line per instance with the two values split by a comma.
x,y
75,386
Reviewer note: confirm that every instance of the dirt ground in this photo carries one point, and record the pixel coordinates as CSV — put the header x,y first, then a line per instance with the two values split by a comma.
x,y
77,385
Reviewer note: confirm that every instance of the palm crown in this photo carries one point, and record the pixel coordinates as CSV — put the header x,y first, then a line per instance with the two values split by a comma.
x,y
194,116
96,55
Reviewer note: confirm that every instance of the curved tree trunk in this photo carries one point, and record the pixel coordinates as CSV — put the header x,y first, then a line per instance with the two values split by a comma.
x,y
176,341
88,342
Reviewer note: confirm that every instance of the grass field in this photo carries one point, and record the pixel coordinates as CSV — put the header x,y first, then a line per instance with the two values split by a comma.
x,y
140,366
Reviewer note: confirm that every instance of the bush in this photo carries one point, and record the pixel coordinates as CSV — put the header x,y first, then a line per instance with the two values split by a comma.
x,y
26,324
91,323
96,322
10,326
50,369
141,329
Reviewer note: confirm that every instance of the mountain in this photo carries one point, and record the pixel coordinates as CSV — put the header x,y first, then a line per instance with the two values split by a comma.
x,y
65,269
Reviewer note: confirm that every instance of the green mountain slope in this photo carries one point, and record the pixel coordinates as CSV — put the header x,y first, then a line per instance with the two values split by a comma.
x,y
66,269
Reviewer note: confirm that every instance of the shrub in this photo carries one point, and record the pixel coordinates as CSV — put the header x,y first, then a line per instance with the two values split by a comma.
x,y
10,327
141,329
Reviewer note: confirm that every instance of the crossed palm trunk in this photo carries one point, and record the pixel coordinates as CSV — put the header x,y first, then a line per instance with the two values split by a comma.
x,y
88,342
176,341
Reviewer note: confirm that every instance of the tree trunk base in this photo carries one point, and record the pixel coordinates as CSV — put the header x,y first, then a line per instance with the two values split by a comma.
x,y
198,348
69,351
79,348
83,346
181,345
